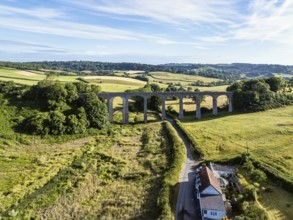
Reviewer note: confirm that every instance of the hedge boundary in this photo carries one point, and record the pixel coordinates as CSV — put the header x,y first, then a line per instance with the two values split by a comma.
x,y
168,193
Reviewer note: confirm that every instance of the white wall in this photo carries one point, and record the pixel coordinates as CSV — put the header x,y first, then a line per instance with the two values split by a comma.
x,y
210,191
214,214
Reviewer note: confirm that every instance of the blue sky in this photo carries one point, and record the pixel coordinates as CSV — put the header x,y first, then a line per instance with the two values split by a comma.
x,y
148,31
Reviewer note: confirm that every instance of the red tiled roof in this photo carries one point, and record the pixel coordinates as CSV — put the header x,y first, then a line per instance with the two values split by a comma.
x,y
207,178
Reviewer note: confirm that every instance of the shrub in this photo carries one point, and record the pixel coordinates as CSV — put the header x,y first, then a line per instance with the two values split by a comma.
x,y
96,111
56,122
36,124
72,124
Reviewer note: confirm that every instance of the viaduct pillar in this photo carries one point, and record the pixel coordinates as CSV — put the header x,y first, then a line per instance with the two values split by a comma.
x,y
230,97
181,108
110,108
125,110
198,112
215,105
145,109
163,108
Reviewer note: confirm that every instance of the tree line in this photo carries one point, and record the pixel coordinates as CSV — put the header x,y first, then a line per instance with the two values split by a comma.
x,y
231,72
261,94
57,108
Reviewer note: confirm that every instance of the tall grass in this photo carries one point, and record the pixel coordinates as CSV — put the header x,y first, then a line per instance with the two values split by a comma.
x,y
168,193
267,136
112,177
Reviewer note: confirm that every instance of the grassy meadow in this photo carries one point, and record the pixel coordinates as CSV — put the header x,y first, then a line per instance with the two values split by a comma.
x,y
109,174
164,78
190,105
277,202
268,136
116,83
107,83
184,80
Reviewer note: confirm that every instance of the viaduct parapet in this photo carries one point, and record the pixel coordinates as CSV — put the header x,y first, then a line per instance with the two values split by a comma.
x,y
125,96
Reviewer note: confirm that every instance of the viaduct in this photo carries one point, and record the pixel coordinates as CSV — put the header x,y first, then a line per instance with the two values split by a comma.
x,y
125,96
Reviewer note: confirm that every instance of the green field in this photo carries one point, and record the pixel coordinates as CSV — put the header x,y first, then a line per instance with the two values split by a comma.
x,y
167,77
189,104
20,76
268,136
114,83
111,83
108,83
30,77
278,203
164,78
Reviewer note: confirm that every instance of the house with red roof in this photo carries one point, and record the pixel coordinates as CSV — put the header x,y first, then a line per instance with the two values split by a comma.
x,y
210,196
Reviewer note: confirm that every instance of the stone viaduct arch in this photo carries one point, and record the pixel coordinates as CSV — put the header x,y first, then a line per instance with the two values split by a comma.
x,y
145,95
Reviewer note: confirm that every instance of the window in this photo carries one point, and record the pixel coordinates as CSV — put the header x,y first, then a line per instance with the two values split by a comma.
x,y
214,213
205,212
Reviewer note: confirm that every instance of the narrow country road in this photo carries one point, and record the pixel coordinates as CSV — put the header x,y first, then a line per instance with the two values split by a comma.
x,y
186,208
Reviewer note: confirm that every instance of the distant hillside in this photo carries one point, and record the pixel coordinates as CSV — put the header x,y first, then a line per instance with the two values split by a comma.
x,y
232,71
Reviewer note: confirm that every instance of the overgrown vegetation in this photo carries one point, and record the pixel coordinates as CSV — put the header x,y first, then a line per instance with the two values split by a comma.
x,y
177,155
253,183
261,94
56,108
112,176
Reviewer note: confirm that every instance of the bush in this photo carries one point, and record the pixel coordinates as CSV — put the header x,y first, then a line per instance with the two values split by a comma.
x,y
72,125
36,124
254,173
96,111
56,123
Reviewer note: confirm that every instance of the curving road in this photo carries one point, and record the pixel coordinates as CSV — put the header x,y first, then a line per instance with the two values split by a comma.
x,y
187,208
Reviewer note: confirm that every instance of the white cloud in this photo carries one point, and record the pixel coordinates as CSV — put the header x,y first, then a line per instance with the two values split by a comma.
x,y
178,12
4,42
268,21
264,21
43,13
68,29
53,25
256,20
12,46
180,27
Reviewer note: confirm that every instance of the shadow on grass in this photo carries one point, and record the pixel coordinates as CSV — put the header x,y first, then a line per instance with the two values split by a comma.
x,y
207,116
